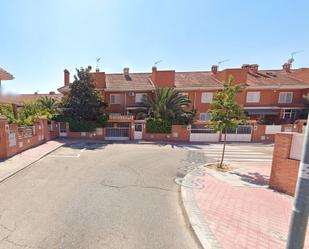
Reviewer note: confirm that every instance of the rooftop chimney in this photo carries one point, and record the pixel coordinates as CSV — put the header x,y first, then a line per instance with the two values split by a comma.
x,y
214,69
52,93
287,67
245,66
66,77
126,71
254,67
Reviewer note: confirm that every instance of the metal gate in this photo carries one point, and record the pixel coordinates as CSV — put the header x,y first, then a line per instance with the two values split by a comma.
x,y
203,135
117,131
242,133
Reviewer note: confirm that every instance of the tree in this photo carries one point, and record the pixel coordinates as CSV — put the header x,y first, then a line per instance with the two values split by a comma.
x,y
169,104
225,112
82,107
48,104
83,102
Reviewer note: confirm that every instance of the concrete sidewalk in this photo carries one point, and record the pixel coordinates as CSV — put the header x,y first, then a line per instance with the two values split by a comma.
x,y
237,210
20,161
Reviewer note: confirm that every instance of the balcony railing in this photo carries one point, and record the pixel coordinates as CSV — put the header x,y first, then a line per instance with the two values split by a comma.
x,y
120,117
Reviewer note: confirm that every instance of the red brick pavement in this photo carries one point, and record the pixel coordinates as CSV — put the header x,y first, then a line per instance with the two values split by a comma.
x,y
245,217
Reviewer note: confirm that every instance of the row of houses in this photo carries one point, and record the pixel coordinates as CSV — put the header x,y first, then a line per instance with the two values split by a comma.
x,y
274,96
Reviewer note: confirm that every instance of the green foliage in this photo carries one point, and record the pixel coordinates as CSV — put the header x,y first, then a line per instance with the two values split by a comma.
x,y
83,102
225,112
7,110
158,126
30,111
83,105
185,118
82,125
166,104
102,120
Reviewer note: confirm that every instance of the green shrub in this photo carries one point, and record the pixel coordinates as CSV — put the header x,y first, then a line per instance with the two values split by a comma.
x,y
158,126
82,125
185,118
7,110
102,120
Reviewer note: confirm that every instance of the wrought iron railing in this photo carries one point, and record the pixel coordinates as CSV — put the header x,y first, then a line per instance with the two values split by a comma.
x,y
25,131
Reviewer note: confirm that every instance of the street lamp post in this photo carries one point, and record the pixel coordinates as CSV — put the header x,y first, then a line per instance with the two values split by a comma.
x,y
300,211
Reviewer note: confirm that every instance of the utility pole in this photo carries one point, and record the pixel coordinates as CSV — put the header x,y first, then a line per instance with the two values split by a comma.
x,y
300,211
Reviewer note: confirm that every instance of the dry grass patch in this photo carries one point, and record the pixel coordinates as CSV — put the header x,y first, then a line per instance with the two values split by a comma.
x,y
224,168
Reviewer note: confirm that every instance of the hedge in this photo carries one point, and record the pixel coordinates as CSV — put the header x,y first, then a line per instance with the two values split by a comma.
x,y
158,126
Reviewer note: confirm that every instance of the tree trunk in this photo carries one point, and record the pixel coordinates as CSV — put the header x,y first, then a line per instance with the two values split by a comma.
x,y
223,150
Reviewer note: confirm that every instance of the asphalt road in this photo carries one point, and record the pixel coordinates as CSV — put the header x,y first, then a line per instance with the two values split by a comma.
x,y
100,196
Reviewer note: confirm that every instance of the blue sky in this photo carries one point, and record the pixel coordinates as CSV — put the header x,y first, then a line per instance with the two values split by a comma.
x,y
39,38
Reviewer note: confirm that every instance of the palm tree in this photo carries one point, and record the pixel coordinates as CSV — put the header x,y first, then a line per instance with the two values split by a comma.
x,y
166,103
48,104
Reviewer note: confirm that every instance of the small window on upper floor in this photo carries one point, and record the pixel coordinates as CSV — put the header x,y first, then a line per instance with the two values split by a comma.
x,y
285,98
114,99
253,97
207,97
140,97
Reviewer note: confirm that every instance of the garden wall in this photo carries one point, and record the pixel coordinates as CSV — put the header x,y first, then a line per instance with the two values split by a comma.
x,y
284,169
14,139
180,133
97,135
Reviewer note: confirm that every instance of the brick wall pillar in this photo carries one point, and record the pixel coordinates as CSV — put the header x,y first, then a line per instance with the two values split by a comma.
x,y
284,170
3,137
44,128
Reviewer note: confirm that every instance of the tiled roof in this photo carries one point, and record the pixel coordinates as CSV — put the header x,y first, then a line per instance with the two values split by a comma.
x,y
206,79
22,98
196,80
4,75
277,78
135,82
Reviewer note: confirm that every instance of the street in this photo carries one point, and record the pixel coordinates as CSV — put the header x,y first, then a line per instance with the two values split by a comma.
x,y
104,196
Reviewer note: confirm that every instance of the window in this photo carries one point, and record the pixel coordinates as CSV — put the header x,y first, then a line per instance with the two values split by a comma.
x,y
253,97
288,113
205,116
114,99
206,97
139,97
286,97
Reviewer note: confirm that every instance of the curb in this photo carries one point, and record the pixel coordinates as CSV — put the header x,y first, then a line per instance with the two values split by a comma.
x,y
196,220
29,164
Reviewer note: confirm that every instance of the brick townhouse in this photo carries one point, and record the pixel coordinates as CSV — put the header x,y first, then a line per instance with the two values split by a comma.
x,y
273,95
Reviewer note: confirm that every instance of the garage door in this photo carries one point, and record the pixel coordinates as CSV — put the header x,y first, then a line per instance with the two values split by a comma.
x,y
204,135
117,131
241,134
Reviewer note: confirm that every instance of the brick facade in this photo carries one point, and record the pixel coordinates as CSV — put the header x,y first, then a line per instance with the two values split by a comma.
x,y
268,85
284,170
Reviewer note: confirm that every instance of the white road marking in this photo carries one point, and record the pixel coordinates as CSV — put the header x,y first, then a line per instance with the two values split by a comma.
x,y
74,156
234,154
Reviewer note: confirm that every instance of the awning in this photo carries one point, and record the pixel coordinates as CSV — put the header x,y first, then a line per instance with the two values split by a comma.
x,y
261,112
